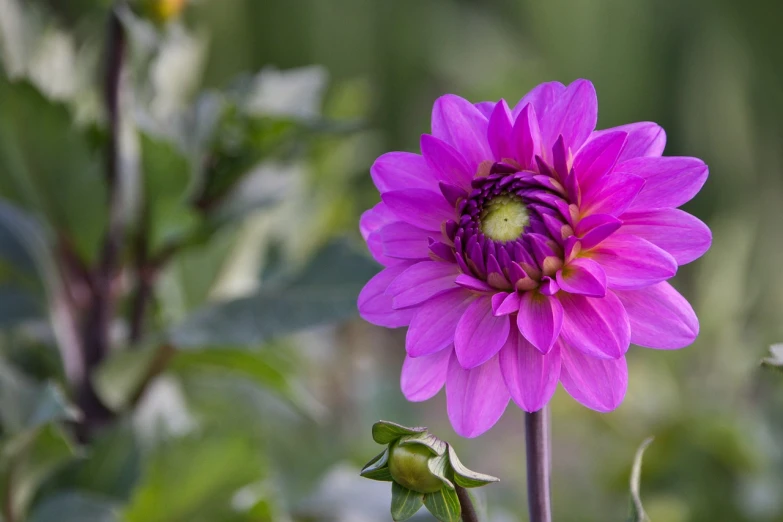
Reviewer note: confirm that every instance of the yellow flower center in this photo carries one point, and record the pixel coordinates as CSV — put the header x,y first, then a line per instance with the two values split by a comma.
x,y
504,217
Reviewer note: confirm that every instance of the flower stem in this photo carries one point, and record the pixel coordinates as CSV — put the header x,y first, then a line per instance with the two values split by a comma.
x,y
466,505
538,465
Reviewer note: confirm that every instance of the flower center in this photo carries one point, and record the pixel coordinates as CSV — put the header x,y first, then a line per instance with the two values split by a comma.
x,y
504,217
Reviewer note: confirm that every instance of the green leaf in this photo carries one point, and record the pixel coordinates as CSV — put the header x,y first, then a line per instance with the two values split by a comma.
x,y
167,178
444,505
405,503
775,359
427,439
637,511
386,432
118,380
324,292
26,405
194,478
439,466
75,506
378,468
465,477
30,459
48,166
14,240
18,305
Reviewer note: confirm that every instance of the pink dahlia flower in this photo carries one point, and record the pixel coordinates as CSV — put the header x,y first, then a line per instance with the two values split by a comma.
x,y
523,248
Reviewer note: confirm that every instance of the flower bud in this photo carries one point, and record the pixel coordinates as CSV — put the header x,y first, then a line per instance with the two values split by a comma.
x,y
409,467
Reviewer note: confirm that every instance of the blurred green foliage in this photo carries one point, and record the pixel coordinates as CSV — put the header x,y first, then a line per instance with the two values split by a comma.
x,y
246,395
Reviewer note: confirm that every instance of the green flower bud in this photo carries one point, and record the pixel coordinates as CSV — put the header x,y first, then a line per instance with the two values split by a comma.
x,y
409,467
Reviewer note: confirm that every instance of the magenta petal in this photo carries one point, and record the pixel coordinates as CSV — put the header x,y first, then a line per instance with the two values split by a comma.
x,y
423,377
631,262
480,334
475,399
598,326
485,107
573,115
670,181
509,304
540,319
530,376
599,384
660,317
499,131
617,192
376,307
375,218
597,157
595,228
432,328
526,137
419,207
460,124
645,138
421,282
683,236
404,241
541,98
401,170
446,163
472,283
583,276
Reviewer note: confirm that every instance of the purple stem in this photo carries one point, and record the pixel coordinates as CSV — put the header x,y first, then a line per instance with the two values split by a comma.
x,y
539,463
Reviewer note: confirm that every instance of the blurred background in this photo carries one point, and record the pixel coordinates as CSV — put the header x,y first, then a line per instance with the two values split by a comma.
x,y
181,344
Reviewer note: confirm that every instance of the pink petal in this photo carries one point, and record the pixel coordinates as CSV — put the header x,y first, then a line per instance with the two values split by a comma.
x,y
594,228
499,131
400,171
683,236
446,163
475,399
541,98
598,326
597,157
375,218
540,319
432,328
403,241
485,107
530,376
471,283
631,262
583,276
616,193
423,377
421,282
376,307
509,304
670,181
644,139
419,207
660,317
480,335
599,384
573,115
526,137
460,124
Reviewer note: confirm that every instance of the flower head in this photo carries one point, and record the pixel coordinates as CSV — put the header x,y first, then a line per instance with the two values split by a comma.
x,y
523,248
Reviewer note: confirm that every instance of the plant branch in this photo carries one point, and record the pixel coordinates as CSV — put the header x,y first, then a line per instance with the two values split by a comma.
x,y
466,505
537,439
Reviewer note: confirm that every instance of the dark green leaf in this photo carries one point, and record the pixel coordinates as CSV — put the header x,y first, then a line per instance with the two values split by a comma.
x,y
119,378
75,506
465,477
404,503
637,511
444,505
324,292
18,305
167,178
775,358
385,432
48,167
378,468
14,239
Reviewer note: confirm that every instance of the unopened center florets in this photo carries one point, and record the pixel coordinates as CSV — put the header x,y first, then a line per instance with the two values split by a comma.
x,y
504,217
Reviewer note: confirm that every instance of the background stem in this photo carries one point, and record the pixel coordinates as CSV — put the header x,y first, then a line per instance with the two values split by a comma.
x,y
538,465
468,511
